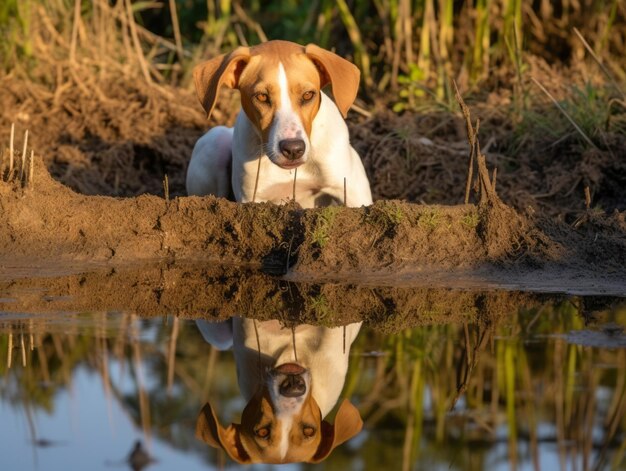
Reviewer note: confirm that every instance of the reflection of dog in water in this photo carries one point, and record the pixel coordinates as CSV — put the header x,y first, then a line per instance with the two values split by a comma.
x,y
291,379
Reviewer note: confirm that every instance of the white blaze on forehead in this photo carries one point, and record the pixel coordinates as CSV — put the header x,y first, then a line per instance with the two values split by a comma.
x,y
287,123
285,100
284,436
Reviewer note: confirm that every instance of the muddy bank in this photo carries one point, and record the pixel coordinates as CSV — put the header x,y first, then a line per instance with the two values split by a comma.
x,y
46,224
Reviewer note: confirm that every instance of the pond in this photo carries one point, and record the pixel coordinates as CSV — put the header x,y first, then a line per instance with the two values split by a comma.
x,y
515,382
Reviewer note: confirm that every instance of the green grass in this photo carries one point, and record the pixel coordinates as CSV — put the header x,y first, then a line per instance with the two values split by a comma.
x,y
320,235
411,49
430,219
470,220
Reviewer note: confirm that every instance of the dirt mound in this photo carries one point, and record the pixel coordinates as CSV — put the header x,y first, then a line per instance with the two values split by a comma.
x,y
47,224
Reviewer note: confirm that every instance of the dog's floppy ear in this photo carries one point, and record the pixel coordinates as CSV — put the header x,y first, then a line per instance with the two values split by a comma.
x,y
347,424
222,70
210,431
340,73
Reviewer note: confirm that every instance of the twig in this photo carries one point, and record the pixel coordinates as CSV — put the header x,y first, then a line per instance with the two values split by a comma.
x,y
136,43
24,155
597,59
295,175
562,110
256,181
176,27
471,136
361,111
166,188
77,4
250,23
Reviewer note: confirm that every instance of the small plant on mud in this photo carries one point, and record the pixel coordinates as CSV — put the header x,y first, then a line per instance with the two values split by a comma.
x,y
430,219
319,305
323,223
470,220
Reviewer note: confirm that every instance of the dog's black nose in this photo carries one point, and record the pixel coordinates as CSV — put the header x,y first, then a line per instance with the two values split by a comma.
x,y
292,148
292,386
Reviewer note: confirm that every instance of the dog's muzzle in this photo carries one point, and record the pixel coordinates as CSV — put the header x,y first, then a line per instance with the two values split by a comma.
x,y
292,149
291,378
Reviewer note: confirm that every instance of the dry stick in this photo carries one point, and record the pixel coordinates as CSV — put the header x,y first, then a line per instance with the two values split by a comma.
x,y
256,181
493,178
10,350
295,174
136,43
24,155
569,118
293,341
166,188
250,23
176,27
74,31
23,350
171,355
587,197
487,189
602,66
471,136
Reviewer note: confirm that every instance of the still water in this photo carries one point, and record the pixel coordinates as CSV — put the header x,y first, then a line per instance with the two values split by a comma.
x,y
542,387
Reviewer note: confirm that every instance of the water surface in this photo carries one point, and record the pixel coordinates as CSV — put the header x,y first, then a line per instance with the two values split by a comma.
x,y
540,387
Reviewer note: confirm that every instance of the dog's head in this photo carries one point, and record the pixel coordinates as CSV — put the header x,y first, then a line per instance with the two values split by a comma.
x,y
280,85
281,423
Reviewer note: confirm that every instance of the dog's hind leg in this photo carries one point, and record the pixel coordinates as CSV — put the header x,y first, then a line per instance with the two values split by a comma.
x,y
210,166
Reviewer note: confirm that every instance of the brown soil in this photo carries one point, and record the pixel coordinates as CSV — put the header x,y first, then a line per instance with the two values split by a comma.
x,y
48,225
118,138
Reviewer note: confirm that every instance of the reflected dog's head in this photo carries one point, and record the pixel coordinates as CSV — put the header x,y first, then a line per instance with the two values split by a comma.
x,y
282,423
280,85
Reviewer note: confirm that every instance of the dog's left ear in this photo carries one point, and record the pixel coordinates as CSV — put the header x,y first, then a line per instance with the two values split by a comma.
x,y
222,70
210,431
347,424
341,74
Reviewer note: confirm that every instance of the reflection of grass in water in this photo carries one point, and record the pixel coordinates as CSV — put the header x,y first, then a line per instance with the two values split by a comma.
x,y
319,305
521,372
512,376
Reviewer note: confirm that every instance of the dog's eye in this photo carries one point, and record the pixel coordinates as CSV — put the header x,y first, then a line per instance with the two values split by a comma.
x,y
308,431
308,96
262,97
263,432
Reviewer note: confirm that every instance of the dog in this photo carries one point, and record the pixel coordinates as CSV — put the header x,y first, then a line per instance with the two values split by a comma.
x,y
291,379
286,125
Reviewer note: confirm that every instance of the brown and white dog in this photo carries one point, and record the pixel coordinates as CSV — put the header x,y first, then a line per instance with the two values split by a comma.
x,y
286,123
289,389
